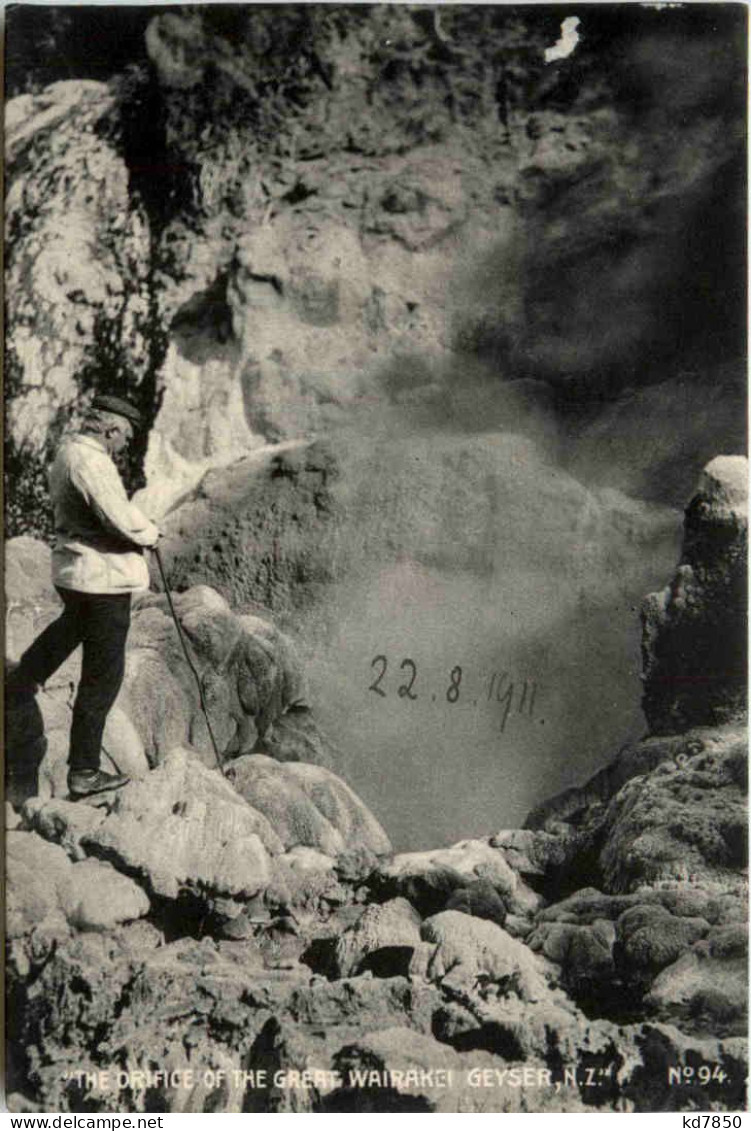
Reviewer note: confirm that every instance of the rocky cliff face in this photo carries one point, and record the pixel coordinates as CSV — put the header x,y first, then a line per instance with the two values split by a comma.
x,y
269,220
250,942
695,631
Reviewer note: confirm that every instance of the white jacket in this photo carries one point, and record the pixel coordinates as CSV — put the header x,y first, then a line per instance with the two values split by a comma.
x,y
99,532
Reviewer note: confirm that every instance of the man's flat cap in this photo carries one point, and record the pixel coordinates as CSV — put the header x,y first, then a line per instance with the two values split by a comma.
x,y
107,402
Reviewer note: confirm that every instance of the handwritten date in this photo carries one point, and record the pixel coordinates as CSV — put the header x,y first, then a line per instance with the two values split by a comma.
x,y
500,688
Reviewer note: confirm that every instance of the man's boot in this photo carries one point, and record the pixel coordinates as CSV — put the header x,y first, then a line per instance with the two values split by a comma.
x,y
84,783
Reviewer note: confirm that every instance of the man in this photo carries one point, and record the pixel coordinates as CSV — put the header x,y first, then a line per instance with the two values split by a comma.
x,y
97,563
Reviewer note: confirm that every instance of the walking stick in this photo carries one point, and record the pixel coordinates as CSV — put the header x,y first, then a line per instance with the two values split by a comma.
x,y
196,676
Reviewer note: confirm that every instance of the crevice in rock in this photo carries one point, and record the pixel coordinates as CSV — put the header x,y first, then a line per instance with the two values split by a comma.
x,y
162,186
489,1035
320,956
202,327
183,918
597,1076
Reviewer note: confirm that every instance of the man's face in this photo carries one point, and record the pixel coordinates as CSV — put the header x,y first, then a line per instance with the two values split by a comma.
x,y
120,436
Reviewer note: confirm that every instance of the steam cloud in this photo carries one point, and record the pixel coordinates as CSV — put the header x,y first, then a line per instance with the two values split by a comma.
x,y
533,491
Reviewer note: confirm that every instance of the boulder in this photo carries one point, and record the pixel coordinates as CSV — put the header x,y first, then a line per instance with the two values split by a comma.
x,y
429,879
129,993
684,825
584,953
705,990
470,952
35,874
579,806
308,878
530,852
649,938
326,1016
184,831
65,822
252,681
382,939
48,894
307,805
478,898
98,898
28,568
589,905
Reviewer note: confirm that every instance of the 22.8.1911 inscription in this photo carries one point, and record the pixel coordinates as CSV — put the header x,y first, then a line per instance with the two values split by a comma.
x,y
512,694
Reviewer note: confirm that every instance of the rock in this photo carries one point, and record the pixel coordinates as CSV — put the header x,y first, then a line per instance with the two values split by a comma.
x,y
704,992
36,873
427,888
649,938
308,877
584,953
694,640
327,1015
428,879
97,898
295,737
589,905
528,851
342,808
289,1070
308,860
137,937
659,1045
469,951
578,805
307,805
64,822
252,680
686,825
522,1032
399,1070
677,822
28,568
382,939
479,898
517,926
47,893
182,830
97,984
356,865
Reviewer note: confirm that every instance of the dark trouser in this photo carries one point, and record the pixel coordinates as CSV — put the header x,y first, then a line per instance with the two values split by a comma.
x,y
100,622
